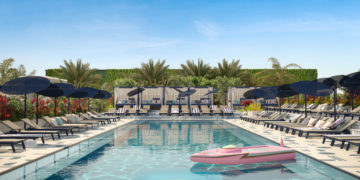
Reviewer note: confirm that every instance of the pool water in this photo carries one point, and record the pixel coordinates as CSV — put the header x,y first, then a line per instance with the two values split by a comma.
x,y
160,150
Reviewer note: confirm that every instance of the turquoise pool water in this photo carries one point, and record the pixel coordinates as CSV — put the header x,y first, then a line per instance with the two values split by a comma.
x,y
159,150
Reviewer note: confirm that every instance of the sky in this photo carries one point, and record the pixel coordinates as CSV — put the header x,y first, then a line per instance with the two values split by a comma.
x,y
320,34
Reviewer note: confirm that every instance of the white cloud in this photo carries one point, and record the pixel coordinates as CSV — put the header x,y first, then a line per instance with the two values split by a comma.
x,y
209,29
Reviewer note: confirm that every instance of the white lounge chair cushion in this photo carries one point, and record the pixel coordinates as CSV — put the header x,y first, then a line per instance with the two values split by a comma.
x,y
326,125
320,123
312,122
53,122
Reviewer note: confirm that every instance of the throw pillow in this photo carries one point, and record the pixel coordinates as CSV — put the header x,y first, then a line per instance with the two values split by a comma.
x,y
53,122
312,122
320,123
59,121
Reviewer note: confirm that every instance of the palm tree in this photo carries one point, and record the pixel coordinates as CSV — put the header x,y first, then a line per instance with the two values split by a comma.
x,y
199,69
22,71
278,75
152,74
7,72
79,74
226,69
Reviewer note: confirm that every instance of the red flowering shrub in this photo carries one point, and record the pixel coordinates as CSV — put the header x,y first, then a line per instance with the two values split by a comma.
x,y
246,103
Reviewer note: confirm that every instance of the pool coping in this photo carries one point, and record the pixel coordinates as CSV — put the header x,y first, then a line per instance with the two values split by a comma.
x,y
307,155
63,148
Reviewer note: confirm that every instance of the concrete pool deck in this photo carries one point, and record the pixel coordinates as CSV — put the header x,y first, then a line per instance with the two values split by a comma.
x,y
347,161
10,161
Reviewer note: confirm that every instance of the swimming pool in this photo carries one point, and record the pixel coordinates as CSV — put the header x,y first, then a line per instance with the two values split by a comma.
x,y
157,150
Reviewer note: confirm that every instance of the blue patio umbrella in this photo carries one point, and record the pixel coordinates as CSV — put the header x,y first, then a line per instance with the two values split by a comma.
x,y
334,82
212,92
102,94
137,92
286,91
266,93
52,91
352,83
84,92
25,85
68,89
250,94
311,88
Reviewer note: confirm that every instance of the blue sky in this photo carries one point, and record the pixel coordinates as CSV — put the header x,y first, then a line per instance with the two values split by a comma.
x,y
322,34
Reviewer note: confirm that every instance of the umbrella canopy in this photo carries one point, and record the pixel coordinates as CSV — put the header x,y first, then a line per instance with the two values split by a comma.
x,y
189,92
66,88
286,91
102,94
250,94
52,91
25,85
135,91
311,88
266,92
353,81
212,92
84,92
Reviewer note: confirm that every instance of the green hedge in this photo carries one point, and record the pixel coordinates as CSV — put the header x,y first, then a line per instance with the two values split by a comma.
x,y
302,74
109,75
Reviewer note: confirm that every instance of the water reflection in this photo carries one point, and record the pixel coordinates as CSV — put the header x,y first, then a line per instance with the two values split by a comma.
x,y
236,170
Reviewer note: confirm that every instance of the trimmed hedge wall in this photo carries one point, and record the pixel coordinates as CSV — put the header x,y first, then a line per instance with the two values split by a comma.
x,y
110,75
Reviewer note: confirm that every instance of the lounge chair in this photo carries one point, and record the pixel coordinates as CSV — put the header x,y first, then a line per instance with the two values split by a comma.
x,y
86,118
215,110
226,110
353,142
38,127
339,129
75,119
341,138
205,110
12,143
17,129
22,136
53,123
164,110
185,110
98,118
175,110
130,111
121,112
195,110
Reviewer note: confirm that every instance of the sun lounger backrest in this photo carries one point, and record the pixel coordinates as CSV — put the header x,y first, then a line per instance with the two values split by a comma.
x,y
11,125
355,110
345,125
30,123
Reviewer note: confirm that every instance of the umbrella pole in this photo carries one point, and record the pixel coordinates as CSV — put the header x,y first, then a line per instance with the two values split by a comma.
x,y
335,102
55,107
305,106
68,105
352,99
79,109
37,108
25,107
88,104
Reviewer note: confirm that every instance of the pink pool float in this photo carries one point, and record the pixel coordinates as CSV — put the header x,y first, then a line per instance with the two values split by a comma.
x,y
232,154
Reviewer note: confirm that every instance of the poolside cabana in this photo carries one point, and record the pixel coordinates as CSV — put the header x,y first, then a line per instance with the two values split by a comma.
x,y
171,96
198,97
152,96
236,95
121,98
